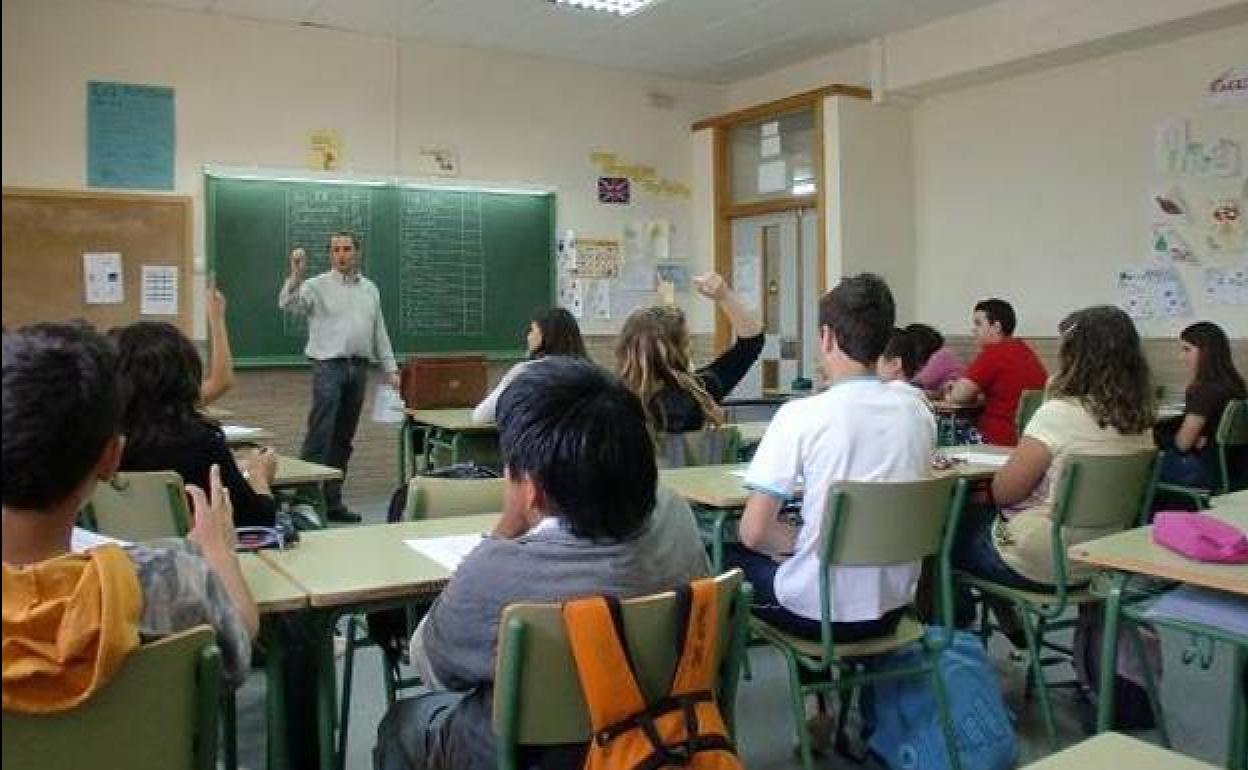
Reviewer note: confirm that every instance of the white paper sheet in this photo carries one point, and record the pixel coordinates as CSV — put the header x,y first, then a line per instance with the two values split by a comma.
x,y
159,290
240,432
977,458
773,176
769,146
84,539
387,405
102,278
447,551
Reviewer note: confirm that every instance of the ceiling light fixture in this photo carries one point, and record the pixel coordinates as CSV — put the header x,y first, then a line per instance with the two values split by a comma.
x,y
617,7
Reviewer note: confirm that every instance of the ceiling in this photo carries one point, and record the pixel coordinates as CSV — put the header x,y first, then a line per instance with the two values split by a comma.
x,y
715,41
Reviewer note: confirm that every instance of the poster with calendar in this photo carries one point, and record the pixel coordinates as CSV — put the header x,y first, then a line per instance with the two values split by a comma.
x,y
1154,293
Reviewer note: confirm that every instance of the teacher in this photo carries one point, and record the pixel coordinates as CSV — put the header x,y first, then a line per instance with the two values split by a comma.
x,y
346,332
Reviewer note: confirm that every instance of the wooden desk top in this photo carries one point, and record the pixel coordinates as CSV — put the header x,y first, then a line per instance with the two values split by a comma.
x,y
752,432
292,471
459,420
1117,750
273,591
1232,499
241,435
1135,551
352,565
217,413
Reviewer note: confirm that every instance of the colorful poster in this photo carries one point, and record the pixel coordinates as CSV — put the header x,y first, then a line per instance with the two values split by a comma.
x,y
1226,286
325,149
130,136
1154,293
613,189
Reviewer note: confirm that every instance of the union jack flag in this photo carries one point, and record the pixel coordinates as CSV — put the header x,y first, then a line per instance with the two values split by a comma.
x,y
612,189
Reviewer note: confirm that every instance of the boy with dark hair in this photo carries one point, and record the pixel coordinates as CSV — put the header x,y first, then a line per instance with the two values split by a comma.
x,y
61,435
859,429
581,517
1004,368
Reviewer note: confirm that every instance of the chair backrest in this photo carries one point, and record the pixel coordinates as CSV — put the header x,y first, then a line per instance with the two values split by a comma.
x,y
1108,492
159,712
139,506
537,693
713,445
433,498
881,523
1028,402
1232,433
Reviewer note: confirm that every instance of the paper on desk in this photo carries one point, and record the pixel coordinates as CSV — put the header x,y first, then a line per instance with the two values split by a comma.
x,y
84,539
448,551
972,457
238,432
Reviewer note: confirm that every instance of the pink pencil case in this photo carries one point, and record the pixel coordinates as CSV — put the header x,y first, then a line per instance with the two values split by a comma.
x,y
1200,537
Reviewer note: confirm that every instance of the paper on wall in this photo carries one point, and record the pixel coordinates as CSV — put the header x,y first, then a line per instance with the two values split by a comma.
x,y
1169,245
565,251
769,146
676,275
1169,207
746,271
773,177
1154,293
572,296
159,288
771,128
1170,145
637,275
600,300
659,239
102,278
1226,286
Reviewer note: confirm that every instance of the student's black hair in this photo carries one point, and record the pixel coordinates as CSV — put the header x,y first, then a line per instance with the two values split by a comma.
x,y
926,341
998,311
902,345
160,373
860,313
578,433
1214,364
61,407
561,336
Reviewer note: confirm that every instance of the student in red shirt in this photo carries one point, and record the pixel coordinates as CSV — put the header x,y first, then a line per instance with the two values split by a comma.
x,y
1004,368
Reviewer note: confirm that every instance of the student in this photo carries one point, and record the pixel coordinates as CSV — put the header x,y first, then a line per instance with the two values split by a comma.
x,y
70,619
580,517
859,429
653,359
1100,402
160,374
900,359
220,379
1190,456
1004,368
938,364
552,332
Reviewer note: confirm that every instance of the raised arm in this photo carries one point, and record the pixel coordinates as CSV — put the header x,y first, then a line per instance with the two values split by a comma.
x,y
744,322
292,297
220,377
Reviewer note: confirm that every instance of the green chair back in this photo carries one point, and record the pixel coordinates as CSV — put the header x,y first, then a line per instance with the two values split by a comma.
x,y
158,713
1107,492
713,445
433,498
139,506
1232,434
1028,402
537,694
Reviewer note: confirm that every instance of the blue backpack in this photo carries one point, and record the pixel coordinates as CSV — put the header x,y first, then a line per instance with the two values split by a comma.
x,y
902,712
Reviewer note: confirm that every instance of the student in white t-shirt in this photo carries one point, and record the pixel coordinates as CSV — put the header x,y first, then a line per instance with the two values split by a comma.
x,y
859,429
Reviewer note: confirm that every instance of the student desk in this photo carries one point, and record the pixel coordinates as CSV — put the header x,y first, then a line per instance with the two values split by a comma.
x,y
1133,552
245,435
751,432
718,496
447,429
1109,750
296,474
1232,499
358,569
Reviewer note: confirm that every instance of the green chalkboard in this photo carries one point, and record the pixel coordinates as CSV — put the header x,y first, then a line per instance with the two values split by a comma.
x,y
458,269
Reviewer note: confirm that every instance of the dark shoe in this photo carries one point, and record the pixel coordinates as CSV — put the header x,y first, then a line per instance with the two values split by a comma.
x,y
344,516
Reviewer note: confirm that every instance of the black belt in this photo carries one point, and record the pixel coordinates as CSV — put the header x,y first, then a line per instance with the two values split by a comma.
x,y
353,360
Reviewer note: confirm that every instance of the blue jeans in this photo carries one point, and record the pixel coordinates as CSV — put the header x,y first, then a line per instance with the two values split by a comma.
x,y
1186,469
974,552
338,386
760,570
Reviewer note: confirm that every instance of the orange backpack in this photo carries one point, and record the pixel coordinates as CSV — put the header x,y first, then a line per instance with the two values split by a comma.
x,y
682,729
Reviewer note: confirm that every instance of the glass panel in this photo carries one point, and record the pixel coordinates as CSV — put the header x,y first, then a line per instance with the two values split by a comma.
x,y
773,158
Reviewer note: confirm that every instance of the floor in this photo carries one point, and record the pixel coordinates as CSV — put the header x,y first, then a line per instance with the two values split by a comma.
x,y
765,727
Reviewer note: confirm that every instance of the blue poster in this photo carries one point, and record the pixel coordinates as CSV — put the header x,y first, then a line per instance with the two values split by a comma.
x,y
130,136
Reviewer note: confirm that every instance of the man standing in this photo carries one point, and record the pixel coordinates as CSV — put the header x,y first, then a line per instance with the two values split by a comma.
x,y
346,332
1004,368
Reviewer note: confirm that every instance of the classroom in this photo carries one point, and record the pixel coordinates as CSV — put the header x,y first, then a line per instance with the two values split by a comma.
x,y
393,232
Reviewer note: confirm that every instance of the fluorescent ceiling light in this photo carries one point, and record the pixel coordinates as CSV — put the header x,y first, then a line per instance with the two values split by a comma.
x,y
618,7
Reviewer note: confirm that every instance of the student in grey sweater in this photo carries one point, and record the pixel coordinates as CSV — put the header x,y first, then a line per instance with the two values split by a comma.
x,y
581,517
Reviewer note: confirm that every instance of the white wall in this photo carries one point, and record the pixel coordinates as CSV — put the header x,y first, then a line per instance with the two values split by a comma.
x,y
1035,188
248,92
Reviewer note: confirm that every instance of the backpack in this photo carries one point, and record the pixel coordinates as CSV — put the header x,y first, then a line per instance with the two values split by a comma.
x,y
906,728
684,728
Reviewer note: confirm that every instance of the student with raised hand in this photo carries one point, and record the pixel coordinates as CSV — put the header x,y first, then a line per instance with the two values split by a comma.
x,y
1004,368
1190,456
160,373
1100,402
220,379
938,364
859,429
653,356
61,435
581,517
552,332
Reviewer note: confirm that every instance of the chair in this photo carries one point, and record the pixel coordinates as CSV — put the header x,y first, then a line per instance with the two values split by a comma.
x,y
874,524
1107,493
537,693
138,506
713,445
427,498
159,712
1028,402
1232,432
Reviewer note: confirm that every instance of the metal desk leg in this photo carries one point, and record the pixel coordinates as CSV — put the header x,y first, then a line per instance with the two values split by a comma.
x,y
1109,653
275,694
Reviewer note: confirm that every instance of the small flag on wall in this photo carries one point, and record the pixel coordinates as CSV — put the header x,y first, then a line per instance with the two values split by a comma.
x,y
612,189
